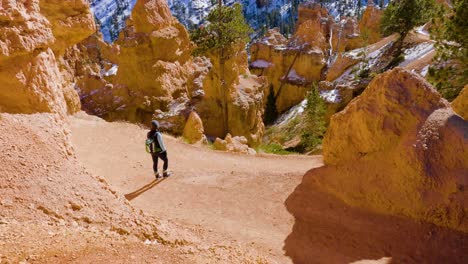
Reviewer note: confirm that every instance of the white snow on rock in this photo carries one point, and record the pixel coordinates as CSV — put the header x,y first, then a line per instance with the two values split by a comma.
x,y
417,52
291,113
331,96
424,71
294,77
261,64
112,71
422,30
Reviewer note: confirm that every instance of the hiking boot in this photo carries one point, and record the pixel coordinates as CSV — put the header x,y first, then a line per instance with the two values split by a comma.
x,y
166,174
157,175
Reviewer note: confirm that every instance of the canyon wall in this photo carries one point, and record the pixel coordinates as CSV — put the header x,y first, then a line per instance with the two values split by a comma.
x,y
292,65
36,34
243,93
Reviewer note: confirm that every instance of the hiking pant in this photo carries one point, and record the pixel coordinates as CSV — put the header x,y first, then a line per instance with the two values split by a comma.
x,y
163,156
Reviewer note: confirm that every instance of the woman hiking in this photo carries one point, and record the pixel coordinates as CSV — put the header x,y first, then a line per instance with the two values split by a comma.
x,y
155,146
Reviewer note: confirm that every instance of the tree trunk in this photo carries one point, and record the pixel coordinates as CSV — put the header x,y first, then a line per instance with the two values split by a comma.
x,y
220,3
224,94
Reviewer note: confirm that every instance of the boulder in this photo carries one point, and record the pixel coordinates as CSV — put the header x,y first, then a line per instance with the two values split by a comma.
x,y
233,144
193,130
460,104
399,149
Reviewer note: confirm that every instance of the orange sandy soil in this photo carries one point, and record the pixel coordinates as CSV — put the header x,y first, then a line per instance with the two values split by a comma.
x,y
230,208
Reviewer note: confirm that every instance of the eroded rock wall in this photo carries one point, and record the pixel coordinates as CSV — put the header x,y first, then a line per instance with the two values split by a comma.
x,y
35,35
244,94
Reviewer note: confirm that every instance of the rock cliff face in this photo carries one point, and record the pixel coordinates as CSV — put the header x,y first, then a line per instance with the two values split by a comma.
x,y
399,149
244,94
291,65
153,61
149,73
369,25
35,37
148,68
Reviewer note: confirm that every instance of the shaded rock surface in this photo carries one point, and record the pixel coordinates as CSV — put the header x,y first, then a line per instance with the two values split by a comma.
x,y
399,149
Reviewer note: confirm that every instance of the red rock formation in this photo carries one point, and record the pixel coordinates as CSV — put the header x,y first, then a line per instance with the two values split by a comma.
x,y
289,66
370,24
244,95
35,36
399,149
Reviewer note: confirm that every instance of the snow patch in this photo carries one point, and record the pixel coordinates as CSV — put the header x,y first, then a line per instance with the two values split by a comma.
x,y
416,52
421,30
291,113
294,77
261,64
112,71
331,96
424,71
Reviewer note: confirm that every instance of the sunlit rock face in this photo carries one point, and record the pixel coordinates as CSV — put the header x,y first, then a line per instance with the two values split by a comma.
x,y
400,149
292,65
146,69
36,34
243,93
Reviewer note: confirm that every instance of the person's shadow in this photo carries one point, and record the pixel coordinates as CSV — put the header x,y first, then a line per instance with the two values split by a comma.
x,y
149,186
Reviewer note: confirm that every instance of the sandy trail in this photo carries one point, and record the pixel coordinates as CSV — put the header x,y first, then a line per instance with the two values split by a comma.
x,y
255,204
238,197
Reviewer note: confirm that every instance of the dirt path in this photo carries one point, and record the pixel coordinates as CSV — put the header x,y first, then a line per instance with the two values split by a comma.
x,y
252,207
238,198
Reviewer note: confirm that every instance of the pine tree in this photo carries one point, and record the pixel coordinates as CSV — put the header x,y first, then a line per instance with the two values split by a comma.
x,y
314,120
359,7
226,27
401,16
450,32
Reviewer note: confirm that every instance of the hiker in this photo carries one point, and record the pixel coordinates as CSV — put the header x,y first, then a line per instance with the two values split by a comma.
x,y
155,146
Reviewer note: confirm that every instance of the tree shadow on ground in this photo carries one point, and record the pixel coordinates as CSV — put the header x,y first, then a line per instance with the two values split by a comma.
x,y
326,230
149,186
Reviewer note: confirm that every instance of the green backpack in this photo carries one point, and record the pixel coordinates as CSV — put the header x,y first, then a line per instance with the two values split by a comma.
x,y
152,145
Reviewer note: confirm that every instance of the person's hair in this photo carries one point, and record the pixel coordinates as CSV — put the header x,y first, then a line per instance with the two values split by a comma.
x,y
154,125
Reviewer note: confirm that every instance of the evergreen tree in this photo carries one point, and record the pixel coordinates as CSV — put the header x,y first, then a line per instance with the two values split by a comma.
x,y
450,32
359,9
271,113
225,28
314,120
401,16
